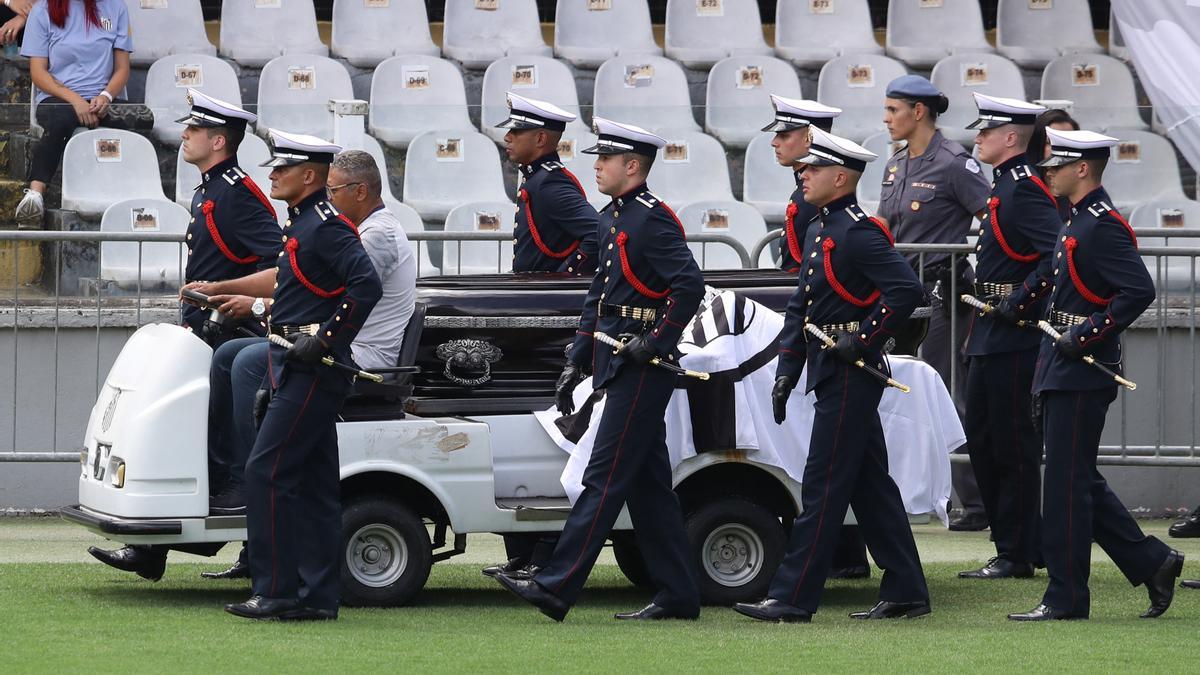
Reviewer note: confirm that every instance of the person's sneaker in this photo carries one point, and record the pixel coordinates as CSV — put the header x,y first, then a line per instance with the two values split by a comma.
x,y
30,211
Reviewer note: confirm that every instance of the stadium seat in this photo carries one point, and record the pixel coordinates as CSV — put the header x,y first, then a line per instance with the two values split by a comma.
x,y
1143,168
252,152
411,221
448,167
649,91
701,32
1035,32
765,184
161,28
254,32
921,33
374,149
156,264
479,257
574,140
734,219
738,100
412,94
959,76
167,83
1100,88
870,186
1116,41
539,77
477,32
589,32
810,33
365,32
1174,273
692,167
104,166
856,84
294,93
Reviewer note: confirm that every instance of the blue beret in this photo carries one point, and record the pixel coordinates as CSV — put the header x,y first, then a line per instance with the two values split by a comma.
x,y
912,86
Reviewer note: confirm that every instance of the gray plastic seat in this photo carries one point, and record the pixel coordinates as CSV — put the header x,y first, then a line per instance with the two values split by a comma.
x,y
476,34
413,94
738,98
411,221
648,91
167,83
574,140
870,186
959,76
156,264
479,257
252,152
294,91
365,33
1142,168
701,32
448,167
921,33
1176,273
538,77
1100,88
765,184
174,27
731,218
809,35
103,166
857,85
691,168
1035,32
587,34
255,31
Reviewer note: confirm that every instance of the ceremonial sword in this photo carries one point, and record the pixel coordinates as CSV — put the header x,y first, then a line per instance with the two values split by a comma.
x,y
618,345
816,332
1128,384
988,309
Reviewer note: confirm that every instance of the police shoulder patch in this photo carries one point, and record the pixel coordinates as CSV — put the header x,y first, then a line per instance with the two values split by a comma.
x,y
972,165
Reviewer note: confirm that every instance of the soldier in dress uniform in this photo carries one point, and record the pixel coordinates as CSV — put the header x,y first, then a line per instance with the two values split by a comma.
x,y
555,231
325,290
1017,233
858,289
647,288
233,231
555,225
931,190
793,117
1099,286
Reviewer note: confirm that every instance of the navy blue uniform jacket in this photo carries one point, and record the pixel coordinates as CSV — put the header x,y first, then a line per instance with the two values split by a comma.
x,y
556,226
797,219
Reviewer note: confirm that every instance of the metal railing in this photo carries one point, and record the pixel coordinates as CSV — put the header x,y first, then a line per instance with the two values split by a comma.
x,y
46,307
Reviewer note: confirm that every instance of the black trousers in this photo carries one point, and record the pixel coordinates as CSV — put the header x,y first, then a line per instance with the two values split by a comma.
x,y
58,119
1079,507
1006,450
293,505
629,465
848,466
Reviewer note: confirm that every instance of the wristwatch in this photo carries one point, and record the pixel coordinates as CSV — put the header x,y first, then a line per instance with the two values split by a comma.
x,y
259,308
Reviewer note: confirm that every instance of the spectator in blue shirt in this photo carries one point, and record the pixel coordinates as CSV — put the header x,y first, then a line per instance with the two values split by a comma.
x,y
78,54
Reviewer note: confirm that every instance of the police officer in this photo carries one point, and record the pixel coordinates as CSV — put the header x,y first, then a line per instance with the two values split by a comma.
x,y
931,190
326,288
793,117
1100,285
555,225
857,288
233,231
648,286
1017,233
555,231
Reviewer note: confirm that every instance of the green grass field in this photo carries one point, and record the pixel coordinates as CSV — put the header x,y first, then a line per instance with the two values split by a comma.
x,y
75,616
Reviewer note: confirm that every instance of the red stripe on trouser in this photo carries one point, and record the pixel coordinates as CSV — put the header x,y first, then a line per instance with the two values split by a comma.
x,y
604,493
837,433
274,469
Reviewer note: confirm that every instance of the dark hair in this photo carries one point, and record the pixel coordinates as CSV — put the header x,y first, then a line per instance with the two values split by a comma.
x,y
1097,166
936,105
646,160
1037,142
233,137
823,123
59,9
